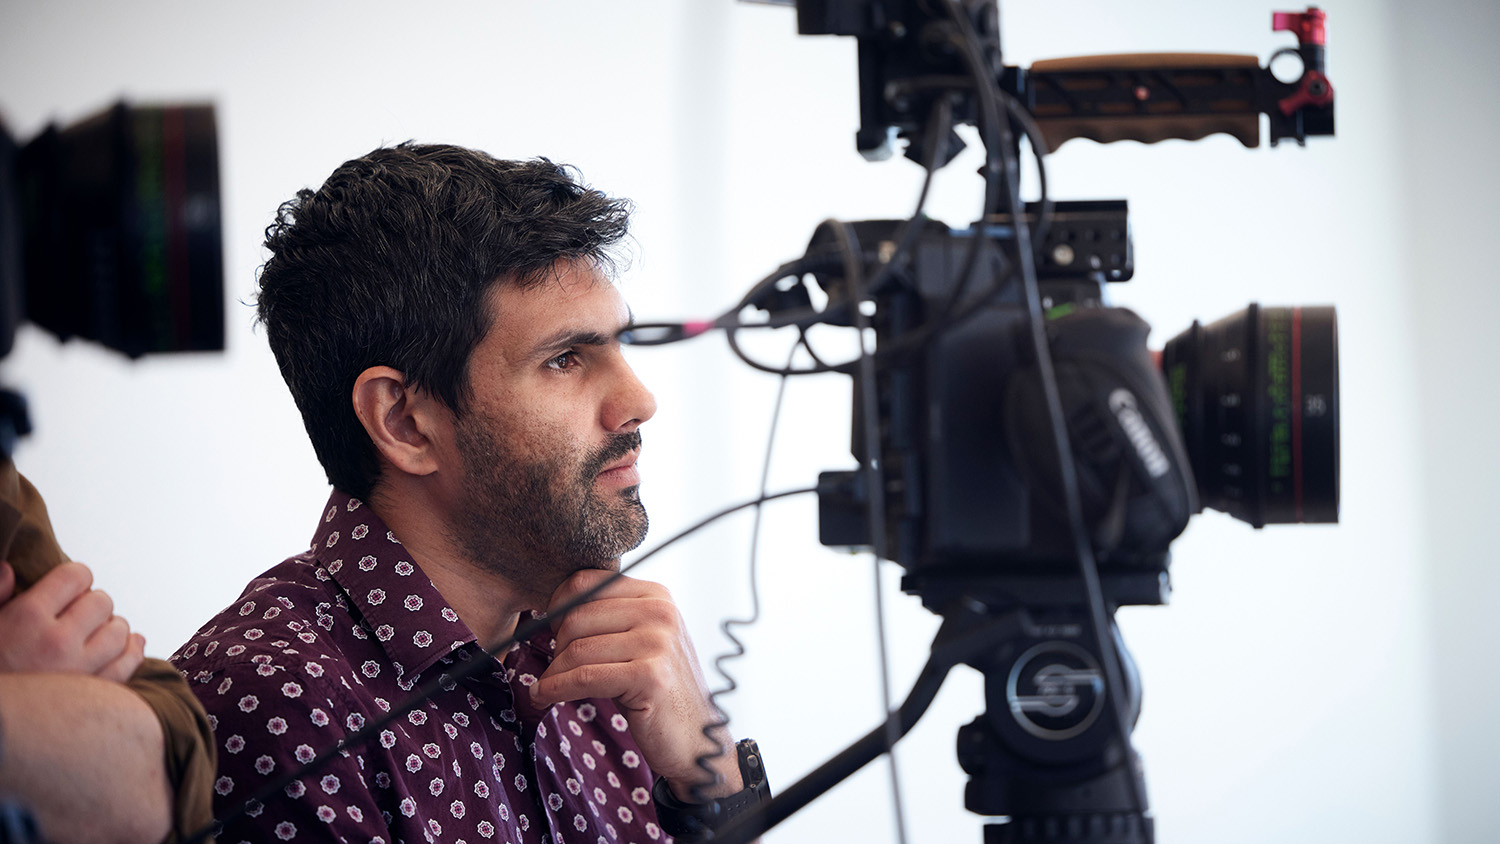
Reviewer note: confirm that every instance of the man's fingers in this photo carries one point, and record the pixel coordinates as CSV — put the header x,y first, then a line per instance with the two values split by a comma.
x,y
63,624
105,644
608,648
613,615
60,587
127,662
632,666
580,582
606,681
88,611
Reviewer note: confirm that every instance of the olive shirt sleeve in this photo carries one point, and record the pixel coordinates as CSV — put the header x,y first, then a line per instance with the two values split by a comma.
x,y
29,545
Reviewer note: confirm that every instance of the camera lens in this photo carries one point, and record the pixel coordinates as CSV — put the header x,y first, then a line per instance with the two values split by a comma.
x,y
119,216
1256,396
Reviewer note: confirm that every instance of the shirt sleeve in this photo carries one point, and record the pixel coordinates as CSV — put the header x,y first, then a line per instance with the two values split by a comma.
x,y
270,721
188,745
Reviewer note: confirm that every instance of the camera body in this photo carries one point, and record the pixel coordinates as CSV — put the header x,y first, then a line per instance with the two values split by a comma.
x,y
1240,415
965,457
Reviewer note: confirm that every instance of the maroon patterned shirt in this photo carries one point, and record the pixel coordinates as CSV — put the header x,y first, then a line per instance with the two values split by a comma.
x,y
333,638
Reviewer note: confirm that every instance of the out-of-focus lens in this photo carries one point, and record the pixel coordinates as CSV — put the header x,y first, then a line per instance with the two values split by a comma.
x,y
120,219
1256,395
11,284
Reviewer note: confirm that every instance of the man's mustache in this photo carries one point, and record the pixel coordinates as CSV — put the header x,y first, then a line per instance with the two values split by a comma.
x,y
616,447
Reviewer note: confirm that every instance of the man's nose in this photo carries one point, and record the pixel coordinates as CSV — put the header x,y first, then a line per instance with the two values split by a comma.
x,y
629,404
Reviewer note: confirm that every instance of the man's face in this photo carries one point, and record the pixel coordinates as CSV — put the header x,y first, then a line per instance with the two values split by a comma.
x,y
549,439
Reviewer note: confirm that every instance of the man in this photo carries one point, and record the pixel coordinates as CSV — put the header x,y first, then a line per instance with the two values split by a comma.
x,y
99,744
447,327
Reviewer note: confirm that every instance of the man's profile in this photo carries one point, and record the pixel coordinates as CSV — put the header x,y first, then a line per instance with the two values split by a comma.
x,y
447,325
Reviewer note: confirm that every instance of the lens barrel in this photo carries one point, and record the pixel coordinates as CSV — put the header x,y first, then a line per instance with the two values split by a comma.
x,y
1256,396
120,225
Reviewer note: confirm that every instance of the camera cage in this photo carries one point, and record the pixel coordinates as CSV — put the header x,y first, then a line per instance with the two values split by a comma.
x,y
1053,752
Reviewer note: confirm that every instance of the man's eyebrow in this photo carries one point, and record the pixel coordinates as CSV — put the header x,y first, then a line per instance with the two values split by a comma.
x,y
572,337
567,337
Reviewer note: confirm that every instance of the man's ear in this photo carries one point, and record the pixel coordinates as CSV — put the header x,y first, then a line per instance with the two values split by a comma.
x,y
400,420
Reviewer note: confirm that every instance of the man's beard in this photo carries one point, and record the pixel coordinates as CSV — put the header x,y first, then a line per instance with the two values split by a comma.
x,y
536,522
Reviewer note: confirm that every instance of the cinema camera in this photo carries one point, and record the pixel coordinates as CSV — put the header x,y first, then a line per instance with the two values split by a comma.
x,y
1023,455
109,231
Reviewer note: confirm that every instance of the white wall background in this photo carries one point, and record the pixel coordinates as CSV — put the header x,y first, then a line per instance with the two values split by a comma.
x,y
1307,685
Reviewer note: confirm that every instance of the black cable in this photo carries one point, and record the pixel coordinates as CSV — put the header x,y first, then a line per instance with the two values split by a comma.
x,y
725,627
811,262
819,366
939,124
524,630
992,136
663,333
867,749
1088,568
875,503
962,638
951,313
1044,219
807,347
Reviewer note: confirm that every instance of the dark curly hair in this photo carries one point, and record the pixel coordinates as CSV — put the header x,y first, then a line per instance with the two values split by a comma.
x,y
389,264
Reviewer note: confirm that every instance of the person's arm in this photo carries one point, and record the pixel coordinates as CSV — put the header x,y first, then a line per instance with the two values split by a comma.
x,y
84,755
82,751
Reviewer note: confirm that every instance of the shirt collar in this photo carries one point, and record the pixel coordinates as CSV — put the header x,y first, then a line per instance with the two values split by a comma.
x,y
401,607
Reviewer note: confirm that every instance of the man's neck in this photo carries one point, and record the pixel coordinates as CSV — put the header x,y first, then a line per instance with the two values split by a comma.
x,y
489,604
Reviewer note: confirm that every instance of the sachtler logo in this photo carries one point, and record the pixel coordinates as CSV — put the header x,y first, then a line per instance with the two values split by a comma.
x,y
1055,690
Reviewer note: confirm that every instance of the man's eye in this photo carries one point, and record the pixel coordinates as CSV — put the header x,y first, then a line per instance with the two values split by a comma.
x,y
565,360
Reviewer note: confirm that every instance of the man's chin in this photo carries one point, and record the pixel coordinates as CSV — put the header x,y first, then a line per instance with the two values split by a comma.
x,y
601,565
624,528
602,556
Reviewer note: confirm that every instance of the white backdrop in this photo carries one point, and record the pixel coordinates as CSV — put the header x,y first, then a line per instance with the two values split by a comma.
x,y
1307,684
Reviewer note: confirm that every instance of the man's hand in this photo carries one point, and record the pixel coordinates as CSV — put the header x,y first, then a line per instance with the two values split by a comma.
x,y
63,625
628,643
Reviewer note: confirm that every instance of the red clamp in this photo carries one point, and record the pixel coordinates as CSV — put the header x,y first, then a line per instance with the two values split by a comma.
x,y
1308,25
1315,90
